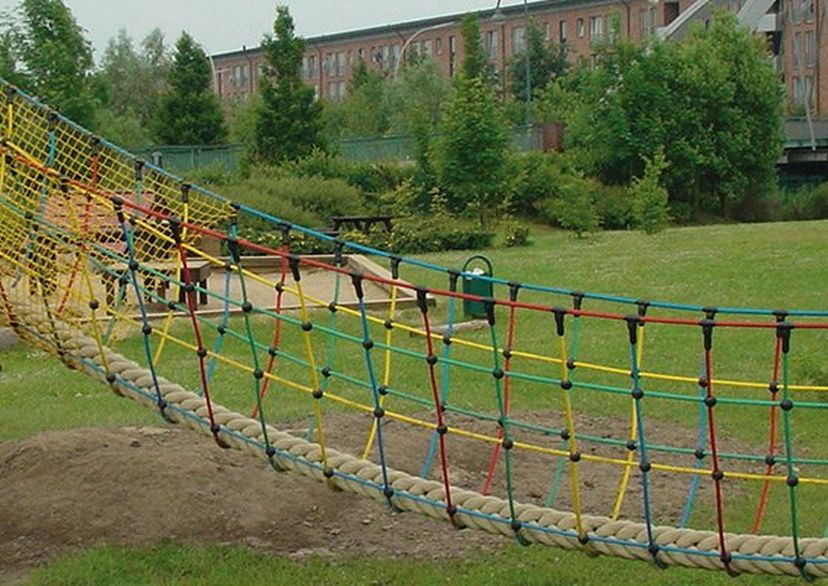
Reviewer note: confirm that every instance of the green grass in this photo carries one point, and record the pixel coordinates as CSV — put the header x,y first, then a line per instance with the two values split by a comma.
x,y
760,265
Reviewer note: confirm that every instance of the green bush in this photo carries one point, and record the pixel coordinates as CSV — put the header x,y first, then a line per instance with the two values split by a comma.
x,y
515,234
649,197
537,177
614,207
575,209
417,234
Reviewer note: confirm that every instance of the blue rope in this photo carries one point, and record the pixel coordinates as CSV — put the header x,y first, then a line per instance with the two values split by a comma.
x,y
701,444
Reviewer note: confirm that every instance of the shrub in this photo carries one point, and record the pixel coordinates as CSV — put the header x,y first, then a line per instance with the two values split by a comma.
x,y
515,234
417,234
649,197
614,207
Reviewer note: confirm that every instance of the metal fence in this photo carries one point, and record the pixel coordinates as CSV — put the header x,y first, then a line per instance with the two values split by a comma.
x,y
181,159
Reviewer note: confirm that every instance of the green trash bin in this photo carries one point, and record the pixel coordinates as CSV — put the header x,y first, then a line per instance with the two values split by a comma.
x,y
474,285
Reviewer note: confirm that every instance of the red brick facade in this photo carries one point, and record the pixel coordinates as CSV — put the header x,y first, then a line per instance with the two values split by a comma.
x,y
329,60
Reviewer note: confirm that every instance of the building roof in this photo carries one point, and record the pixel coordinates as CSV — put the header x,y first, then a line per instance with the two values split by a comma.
x,y
386,29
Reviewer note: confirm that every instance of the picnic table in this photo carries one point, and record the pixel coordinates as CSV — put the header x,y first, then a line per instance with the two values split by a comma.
x,y
361,223
160,276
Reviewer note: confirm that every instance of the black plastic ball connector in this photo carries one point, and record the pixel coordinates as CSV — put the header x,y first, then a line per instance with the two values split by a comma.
x,y
507,353
566,384
637,394
368,344
770,460
498,373
718,475
273,351
800,563
221,330
431,359
388,492
382,390
172,306
726,558
133,265
332,307
442,429
201,352
215,428
583,539
508,444
389,324
773,387
111,378
792,480
653,548
94,305
247,307
189,288
516,525
702,382
710,401
307,326
570,364
447,340
318,394
270,451
645,466
565,435
328,473
575,456
451,510
699,454
146,329
280,287
258,374
326,372
631,445
379,412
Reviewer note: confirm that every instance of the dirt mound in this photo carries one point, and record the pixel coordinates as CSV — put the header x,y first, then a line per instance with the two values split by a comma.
x,y
61,491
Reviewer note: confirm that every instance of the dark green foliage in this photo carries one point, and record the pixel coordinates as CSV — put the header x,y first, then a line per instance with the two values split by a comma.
x,y
472,151
574,209
365,111
515,234
189,112
546,62
433,233
649,198
45,52
288,122
712,104
134,83
475,64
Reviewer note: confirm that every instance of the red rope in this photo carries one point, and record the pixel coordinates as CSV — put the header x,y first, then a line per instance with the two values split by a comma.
x,y
717,471
774,416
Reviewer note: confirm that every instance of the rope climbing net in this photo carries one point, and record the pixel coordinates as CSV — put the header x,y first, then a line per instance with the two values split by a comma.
x,y
95,244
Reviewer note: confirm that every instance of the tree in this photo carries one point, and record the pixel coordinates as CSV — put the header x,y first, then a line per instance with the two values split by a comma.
x,y
45,52
365,110
189,112
134,85
475,64
712,104
650,209
546,62
472,151
575,210
288,122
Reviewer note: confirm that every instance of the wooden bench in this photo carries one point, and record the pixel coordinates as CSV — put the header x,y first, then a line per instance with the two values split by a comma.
x,y
361,223
160,276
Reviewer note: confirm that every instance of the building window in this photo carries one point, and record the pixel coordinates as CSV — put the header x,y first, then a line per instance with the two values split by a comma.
x,y
808,10
332,89
491,44
518,40
796,10
452,55
562,32
395,56
803,92
596,28
810,49
438,45
329,64
341,90
646,22
581,28
386,57
340,64
361,53
427,48
547,35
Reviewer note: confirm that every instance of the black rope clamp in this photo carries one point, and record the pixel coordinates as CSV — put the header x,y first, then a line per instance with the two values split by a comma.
x,y
338,247
185,192
293,261
422,299
707,326
577,299
643,306
489,304
284,230
52,118
94,145
783,332
235,250
175,229
139,169
11,92
118,205
395,266
453,277
710,312
356,279
514,288
560,316
632,328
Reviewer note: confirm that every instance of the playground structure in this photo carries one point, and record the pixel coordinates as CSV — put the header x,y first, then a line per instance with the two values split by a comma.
x,y
94,242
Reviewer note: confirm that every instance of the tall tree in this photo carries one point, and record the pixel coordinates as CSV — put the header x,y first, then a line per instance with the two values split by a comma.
x,y
546,62
475,64
288,121
189,113
365,110
471,152
46,53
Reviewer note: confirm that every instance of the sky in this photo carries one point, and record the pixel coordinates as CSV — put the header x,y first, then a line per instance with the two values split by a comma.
x,y
226,25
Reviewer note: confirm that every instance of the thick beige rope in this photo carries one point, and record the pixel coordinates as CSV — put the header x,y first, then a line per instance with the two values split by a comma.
x,y
77,347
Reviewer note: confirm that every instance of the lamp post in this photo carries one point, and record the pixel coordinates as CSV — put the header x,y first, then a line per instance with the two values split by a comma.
x,y
414,36
528,63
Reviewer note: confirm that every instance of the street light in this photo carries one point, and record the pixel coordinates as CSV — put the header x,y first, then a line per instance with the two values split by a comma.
x,y
528,63
433,27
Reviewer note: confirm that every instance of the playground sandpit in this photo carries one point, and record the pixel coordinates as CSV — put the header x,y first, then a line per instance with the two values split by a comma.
x,y
68,490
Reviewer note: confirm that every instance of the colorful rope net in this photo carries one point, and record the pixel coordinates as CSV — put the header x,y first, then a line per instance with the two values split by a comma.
x,y
516,425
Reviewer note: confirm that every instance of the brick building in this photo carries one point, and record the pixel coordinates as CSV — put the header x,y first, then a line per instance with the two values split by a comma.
x,y
329,60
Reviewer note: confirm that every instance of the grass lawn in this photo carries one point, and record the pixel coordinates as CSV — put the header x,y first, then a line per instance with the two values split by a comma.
x,y
761,265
